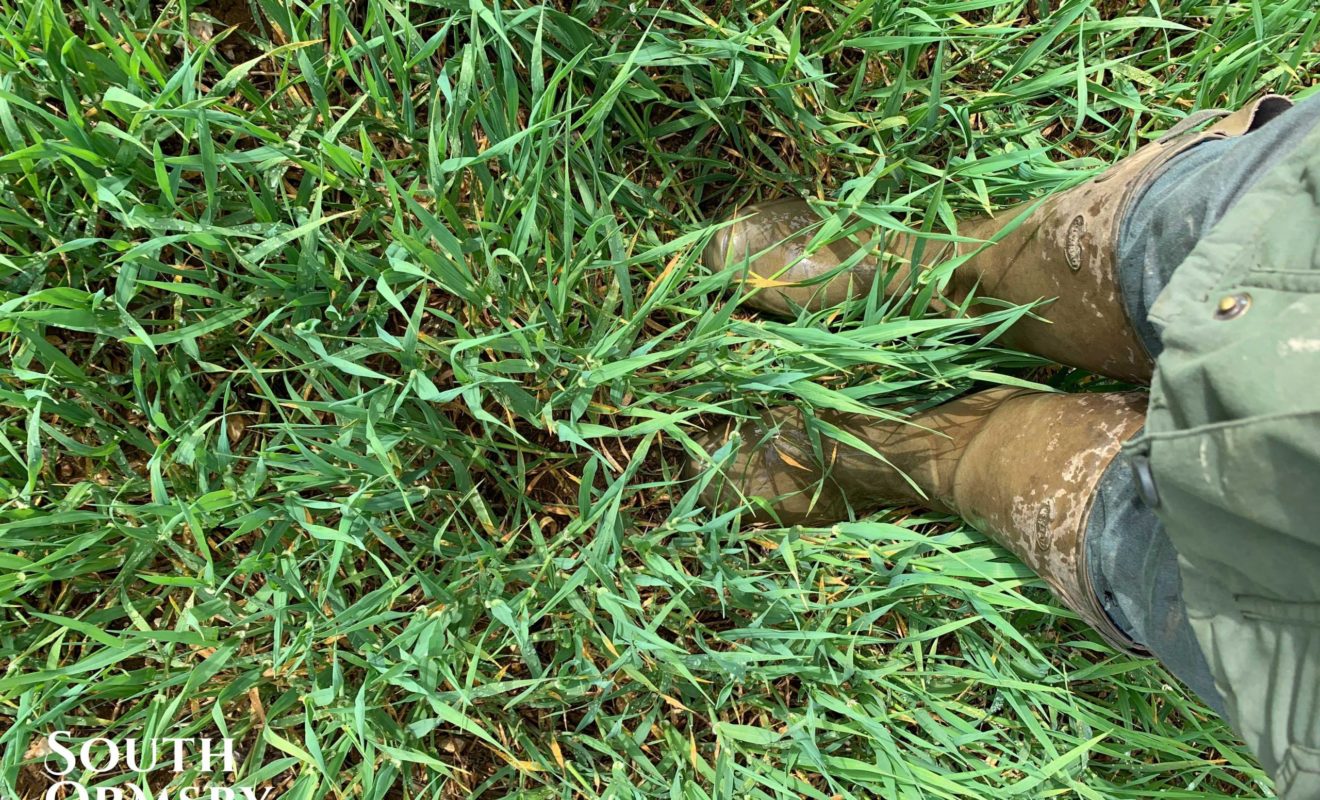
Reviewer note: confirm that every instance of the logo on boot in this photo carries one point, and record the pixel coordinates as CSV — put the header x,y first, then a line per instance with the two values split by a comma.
x,y
1073,246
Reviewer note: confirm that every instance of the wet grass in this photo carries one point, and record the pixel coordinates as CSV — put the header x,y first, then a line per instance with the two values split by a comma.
x,y
350,349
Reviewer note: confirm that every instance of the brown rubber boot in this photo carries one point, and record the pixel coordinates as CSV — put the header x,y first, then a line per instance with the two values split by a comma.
x,y
1018,465
1063,247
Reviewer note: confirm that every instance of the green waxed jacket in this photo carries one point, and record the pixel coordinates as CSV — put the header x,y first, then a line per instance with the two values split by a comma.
x,y
1233,446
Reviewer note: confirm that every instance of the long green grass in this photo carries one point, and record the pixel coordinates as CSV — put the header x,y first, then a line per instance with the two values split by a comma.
x,y
351,349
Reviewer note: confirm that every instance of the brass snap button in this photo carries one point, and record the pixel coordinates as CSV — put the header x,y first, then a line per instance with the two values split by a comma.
x,y
1232,306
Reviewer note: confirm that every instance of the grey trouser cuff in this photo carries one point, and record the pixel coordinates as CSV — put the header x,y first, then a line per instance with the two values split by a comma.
x,y
1134,569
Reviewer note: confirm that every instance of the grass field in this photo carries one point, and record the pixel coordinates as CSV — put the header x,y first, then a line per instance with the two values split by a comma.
x,y
351,347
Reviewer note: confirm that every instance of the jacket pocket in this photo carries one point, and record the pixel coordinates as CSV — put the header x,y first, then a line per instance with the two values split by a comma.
x,y
1299,774
1247,485
1269,610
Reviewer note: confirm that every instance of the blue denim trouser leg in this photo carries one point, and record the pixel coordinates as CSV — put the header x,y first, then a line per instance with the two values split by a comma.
x,y
1133,564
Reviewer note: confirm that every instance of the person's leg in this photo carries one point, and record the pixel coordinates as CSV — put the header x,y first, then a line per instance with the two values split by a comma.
x,y
1062,249
1135,566
1020,466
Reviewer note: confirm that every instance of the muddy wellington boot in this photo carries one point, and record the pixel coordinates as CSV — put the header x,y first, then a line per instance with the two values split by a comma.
x,y
1064,249
1019,465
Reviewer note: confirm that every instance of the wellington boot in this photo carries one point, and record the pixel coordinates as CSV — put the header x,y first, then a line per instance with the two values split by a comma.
x,y
1062,249
1019,465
